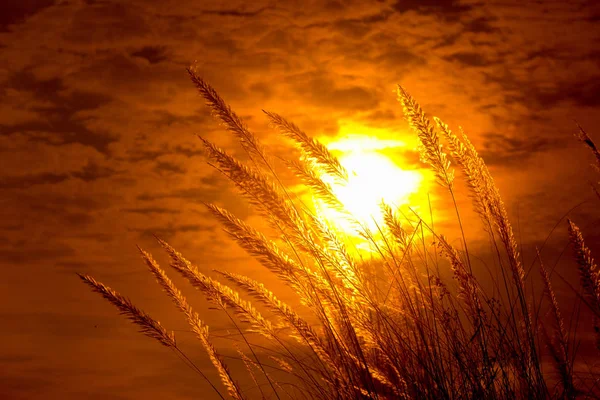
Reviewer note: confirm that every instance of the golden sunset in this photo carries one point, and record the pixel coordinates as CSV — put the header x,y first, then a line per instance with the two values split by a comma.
x,y
330,200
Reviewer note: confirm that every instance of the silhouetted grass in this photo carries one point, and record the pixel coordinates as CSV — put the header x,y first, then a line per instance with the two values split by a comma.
x,y
386,328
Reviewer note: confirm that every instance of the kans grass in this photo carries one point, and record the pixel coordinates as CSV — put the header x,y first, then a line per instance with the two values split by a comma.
x,y
390,327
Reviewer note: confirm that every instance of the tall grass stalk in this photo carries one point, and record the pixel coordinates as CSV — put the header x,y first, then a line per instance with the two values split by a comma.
x,y
392,326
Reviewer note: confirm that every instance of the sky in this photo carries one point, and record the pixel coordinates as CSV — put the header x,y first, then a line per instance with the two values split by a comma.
x,y
98,150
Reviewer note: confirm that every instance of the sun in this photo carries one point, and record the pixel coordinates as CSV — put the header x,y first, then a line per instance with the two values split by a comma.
x,y
373,177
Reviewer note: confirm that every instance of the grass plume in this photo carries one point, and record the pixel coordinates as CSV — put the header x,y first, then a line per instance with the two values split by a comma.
x,y
416,320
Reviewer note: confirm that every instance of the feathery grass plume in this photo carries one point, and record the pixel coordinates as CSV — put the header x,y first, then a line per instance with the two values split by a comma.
x,y
304,333
431,150
468,287
198,327
258,245
490,207
322,190
336,259
148,325
487,199
496,207
301,330
284,365
394,227
312,149
473,168
234,124
587,140
232,387
264,195
248,364
588,269
583,136
558,345
261,192
304,281
530,370
219,294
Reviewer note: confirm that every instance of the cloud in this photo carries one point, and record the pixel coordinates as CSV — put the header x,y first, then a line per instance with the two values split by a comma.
x,y
92,171
23,182
57,112
17,11
100,23
444,8
235,12
97,115
170,230
469,59
151,210
89,173
152,54
28,253
166,167
320,90
499,149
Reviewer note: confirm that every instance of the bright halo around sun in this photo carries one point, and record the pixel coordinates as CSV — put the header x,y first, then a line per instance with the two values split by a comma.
x,y
373,177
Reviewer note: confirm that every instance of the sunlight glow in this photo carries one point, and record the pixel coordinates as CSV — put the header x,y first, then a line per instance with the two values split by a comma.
x,y
373,177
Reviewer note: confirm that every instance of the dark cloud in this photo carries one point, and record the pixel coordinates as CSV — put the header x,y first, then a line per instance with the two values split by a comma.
x,y
98,236
30,253
89,173
215,189
26,181
61,212
167,167
470,59
481,25
152,54
581,92
188,152
151,210
137,154
358,28
102,23
58,107
72,266
17,11
58,130
444,8
399,59
77,219
502,149
56,97
171,230
92,172
321,91
281,39
53,202
236,13
383,115
208,193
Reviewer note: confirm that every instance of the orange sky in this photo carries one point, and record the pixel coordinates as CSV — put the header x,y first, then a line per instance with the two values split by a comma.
x,y
97,152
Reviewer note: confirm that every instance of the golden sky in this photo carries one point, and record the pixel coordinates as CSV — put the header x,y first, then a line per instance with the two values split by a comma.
x,y
97,145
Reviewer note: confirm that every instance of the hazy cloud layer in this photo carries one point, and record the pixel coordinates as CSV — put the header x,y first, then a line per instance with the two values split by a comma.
x,y
97,124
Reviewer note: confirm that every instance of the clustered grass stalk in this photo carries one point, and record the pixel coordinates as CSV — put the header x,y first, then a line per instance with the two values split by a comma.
x,y
389,327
